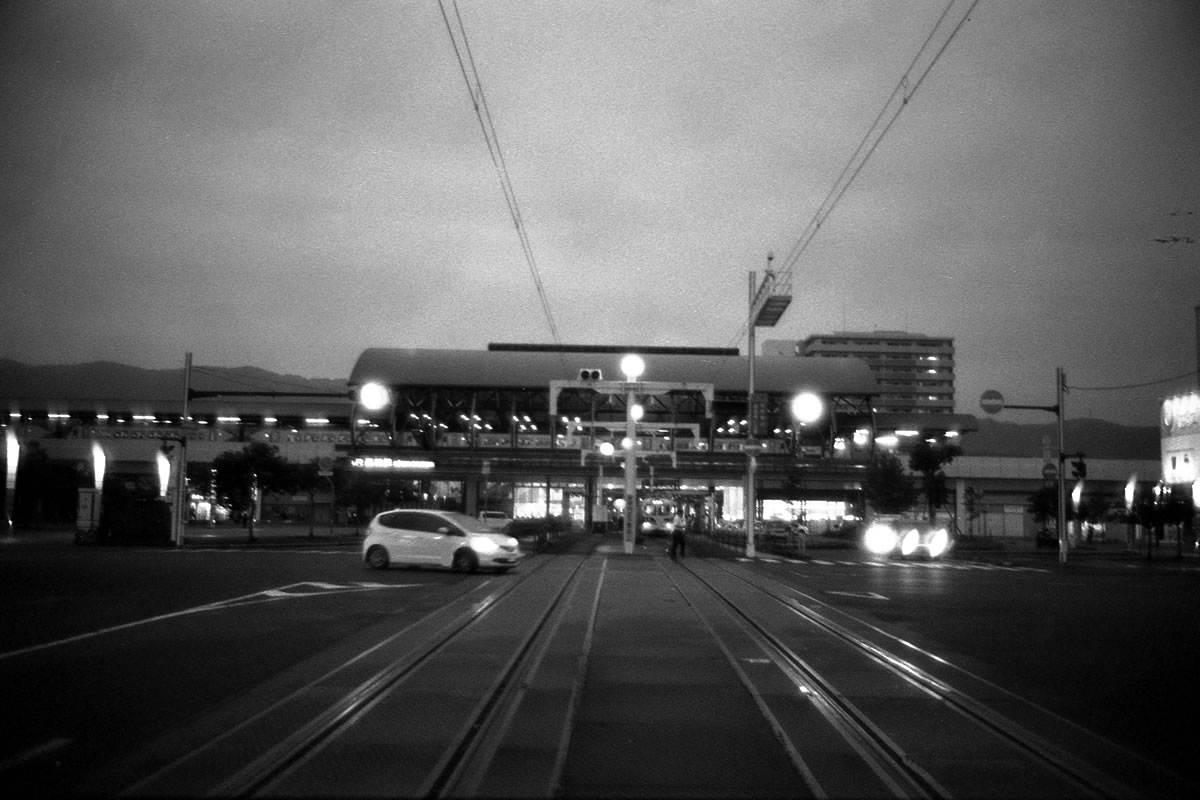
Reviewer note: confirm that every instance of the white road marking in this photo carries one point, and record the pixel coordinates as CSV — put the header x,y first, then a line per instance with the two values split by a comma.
x,y
867,595
42,749
269,595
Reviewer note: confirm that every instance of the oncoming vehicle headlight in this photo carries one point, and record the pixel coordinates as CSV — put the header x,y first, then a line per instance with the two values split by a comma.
x,y
880,539
484,545
909,542
939,541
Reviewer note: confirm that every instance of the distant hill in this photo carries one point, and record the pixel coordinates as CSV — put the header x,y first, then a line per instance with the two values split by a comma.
x,y
1095,438
106,380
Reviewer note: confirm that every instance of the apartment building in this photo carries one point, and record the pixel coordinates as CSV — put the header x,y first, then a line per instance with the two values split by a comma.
x,y
915,372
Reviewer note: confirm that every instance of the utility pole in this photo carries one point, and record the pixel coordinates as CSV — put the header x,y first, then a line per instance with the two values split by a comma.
x,y
767,304
992,402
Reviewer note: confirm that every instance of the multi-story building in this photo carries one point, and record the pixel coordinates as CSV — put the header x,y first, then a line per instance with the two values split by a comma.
x,y
915,372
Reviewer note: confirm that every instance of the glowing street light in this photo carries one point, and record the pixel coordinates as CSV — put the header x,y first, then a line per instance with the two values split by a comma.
x,y
12,452
632,366
164,472
807,408
374,396
98,464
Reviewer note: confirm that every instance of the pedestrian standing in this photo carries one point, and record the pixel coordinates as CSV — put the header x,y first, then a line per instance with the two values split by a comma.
x,y
678,539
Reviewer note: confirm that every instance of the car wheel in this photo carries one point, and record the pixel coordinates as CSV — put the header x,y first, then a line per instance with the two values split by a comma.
x,y
465,561
377,557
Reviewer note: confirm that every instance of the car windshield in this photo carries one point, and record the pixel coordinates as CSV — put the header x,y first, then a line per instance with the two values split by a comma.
x,y
468,524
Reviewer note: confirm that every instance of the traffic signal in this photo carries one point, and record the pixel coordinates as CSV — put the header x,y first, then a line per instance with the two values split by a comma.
x,y
589,375
1078,468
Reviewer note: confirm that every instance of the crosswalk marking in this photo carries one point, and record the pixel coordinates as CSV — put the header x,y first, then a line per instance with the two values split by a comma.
x,y
885,564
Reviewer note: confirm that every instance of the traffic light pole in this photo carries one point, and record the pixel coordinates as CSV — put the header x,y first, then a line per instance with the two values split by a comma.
x,y
993,403
1059,380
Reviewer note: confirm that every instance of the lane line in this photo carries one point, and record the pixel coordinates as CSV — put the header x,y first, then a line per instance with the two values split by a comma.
x,y
265,596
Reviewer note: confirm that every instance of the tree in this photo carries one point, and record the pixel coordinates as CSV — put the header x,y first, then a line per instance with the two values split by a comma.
x,y
257,463
1043,504
888,488
927,460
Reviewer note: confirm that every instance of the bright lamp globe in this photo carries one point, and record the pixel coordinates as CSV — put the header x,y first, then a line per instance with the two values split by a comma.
x,y
807,407
373,396
633,366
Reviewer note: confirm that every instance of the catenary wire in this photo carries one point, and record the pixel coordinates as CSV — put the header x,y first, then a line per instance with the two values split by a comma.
x,y
906,88
483,114
1132,385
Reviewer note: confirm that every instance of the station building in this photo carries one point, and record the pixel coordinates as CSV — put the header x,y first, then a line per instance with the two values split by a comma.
x,y
512,428
522,429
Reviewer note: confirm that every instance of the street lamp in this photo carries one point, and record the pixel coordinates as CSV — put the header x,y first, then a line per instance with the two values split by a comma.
x,y
1130,494
633,366
12,453
374,396
807,408
606,450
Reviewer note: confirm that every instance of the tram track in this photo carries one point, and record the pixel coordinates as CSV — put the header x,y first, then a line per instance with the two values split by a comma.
x,y
291,746
480,698
1007,752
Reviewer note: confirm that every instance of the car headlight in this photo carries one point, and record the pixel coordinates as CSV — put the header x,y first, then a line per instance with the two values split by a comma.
x,y
939,542
880,539
909,542
484,545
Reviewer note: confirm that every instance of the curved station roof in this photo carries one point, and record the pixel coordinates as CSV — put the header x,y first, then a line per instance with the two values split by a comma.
x,y
536,369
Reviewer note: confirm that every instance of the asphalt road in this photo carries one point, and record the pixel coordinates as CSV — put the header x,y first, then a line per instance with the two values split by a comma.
x,y
105,648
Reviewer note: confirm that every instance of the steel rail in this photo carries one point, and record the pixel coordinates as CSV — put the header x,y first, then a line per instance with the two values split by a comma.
x,y
295,750
1083,775
336,714
886,759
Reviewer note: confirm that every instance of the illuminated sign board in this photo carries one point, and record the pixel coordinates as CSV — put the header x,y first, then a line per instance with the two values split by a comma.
x,y
377,462
1181,412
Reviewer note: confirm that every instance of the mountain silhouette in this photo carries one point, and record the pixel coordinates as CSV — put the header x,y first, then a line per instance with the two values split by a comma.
x,y
106,380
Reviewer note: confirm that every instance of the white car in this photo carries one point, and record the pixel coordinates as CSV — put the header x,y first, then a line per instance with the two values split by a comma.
x,y
496,520
437,538
907,539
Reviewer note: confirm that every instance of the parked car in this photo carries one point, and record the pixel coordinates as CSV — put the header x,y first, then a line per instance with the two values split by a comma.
x,y
437,538
781,530
495,520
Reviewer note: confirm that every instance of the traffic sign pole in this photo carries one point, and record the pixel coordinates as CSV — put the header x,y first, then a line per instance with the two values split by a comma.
x,y
992,402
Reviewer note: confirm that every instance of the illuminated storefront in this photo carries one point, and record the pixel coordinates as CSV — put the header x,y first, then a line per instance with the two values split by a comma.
x,y
1181,440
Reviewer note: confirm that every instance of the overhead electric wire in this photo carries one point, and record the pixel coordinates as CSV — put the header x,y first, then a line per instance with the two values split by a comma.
x,y
1132,385
906,88
479,102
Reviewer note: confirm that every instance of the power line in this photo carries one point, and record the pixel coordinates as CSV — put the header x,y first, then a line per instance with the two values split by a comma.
x,y
905,89
1131,385
479,102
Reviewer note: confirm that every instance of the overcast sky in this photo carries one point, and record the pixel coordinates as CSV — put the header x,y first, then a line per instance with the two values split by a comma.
x,y
283,184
